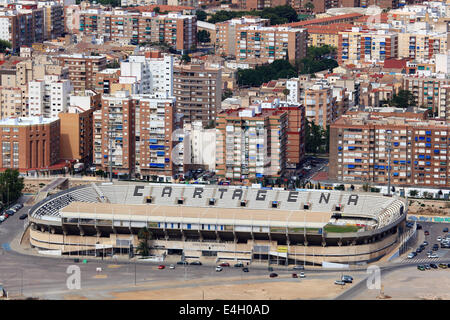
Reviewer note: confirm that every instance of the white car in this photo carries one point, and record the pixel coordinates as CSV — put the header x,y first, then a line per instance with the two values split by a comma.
x,y
433,255
2,218
172,266
302,275
411,255
219,268
439,238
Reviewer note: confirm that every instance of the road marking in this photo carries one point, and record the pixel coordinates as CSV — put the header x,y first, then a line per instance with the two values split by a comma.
x,y
100,276
114,266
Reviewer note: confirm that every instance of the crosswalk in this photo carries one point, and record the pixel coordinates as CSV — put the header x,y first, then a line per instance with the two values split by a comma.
x,y
424,261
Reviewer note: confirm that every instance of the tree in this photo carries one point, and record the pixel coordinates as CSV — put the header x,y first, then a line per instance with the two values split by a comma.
x,y
11,186
201,15
203,36
4,45
227,93
113,64
144,235
157,10
185,58
286,92
403,99
413,193
143,248
309,6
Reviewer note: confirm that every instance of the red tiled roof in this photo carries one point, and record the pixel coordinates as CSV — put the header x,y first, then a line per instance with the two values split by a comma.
x,y
395,63
383,18
162,8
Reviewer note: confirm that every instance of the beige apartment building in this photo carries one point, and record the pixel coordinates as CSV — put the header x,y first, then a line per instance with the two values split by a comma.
x,y
251,143
360,143
226,33
257,45
82,69
321,107
175,29
197,88
421,45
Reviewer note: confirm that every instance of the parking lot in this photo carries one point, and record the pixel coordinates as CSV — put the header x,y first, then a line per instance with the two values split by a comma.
x,y
435,230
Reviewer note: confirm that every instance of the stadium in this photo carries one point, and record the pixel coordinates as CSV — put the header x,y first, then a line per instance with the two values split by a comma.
x,y
225,223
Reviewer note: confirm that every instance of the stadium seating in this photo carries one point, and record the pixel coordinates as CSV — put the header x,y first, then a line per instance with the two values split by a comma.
x,y
314,199
254,204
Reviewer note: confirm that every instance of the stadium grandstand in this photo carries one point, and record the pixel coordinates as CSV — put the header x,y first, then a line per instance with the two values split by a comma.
x,y
226,222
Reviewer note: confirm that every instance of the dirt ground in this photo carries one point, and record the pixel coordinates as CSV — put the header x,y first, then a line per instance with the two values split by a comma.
x,y
270,290
412,284
431,207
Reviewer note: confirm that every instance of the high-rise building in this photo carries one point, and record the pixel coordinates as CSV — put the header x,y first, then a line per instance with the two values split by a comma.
x,y
358,46
198,91
320,104
364,146
251,143
260,45
22,27
49,96
114,134
82,69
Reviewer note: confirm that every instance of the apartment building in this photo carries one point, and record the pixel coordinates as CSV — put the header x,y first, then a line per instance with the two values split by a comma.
x,y
105,79
152,72
29,143
226,33
175,29
360,144
76,134
444,102
321,106
198,147
421,45
155,124
53,19
295,134
427,91
82,69
22,27
259,4
49,96
260,45
251,143
11,102
358,46
198,91
325,35
114,134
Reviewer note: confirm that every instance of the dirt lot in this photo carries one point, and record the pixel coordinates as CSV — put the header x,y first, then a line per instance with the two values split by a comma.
x,y
412,284
267,289
429,207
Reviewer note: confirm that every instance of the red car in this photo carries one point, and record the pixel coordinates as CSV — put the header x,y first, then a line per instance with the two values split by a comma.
x,y
161,267
224,264
6,215
427,233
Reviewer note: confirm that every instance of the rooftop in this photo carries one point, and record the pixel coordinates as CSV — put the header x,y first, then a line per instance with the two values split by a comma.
x,y
26,121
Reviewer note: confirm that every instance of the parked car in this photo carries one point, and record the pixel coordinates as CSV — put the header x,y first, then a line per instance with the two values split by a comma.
x,y
245,269
302,275
224,264
347,279
196,263
433,266
339,282
161,266
425,243
435,247
421,268
183,262
299,268
10,212
433,256
445,230
427,266
426,233
219,268
23,216
411,255
442,266
172,266
238,265
419,250
273,275
439,238
294,275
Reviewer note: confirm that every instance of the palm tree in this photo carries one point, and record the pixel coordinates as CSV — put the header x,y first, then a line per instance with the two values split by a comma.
x,y
143,248
286,92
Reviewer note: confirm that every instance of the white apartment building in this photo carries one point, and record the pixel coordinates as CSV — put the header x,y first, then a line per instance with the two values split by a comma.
x,y
199,145
49,96
152,72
